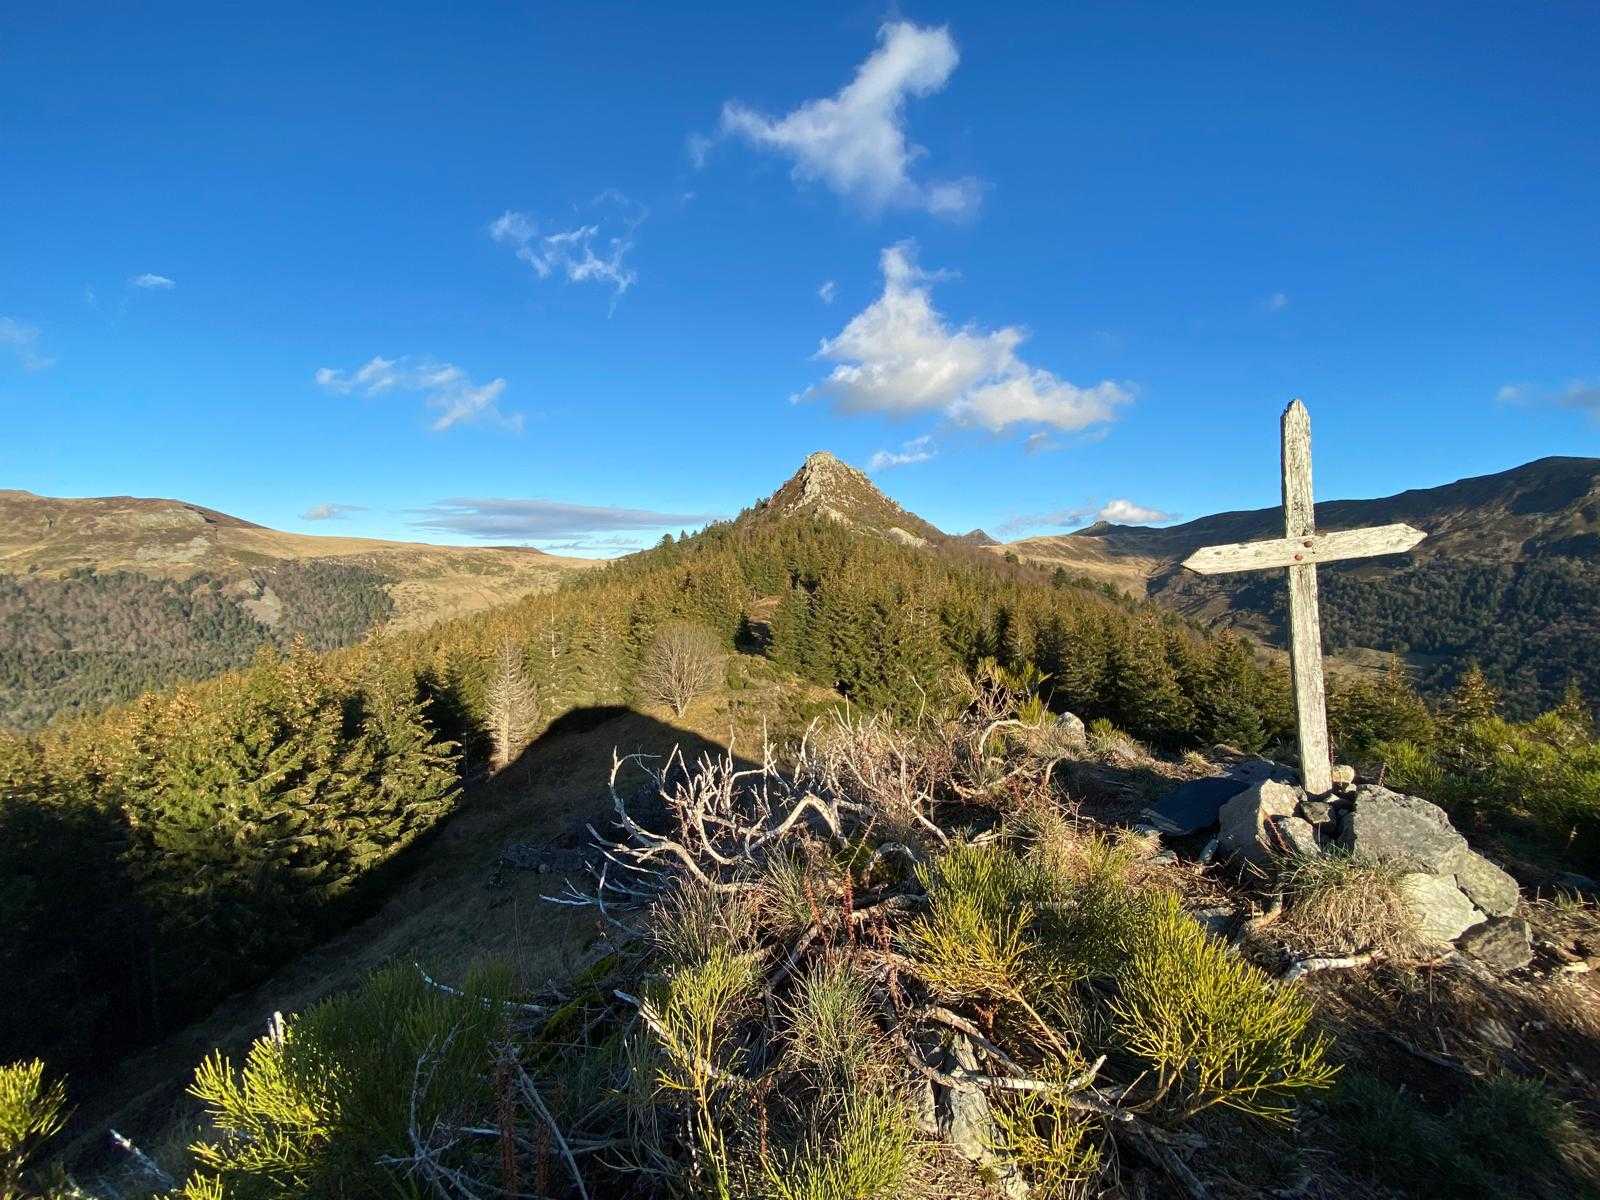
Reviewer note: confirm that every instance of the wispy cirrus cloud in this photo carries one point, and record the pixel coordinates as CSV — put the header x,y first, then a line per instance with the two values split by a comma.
x,y
1276,302
1117,512
444,387
152,283
899,356
1580,394
592,251
331,512
917,450
828,291
503,519
23,342
855,142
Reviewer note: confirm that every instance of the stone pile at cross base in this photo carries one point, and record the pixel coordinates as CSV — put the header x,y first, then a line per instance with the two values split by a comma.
x,y
1263,818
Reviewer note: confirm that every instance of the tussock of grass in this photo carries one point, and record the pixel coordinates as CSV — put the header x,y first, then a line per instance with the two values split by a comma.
x,y
693,920
870,1150
1342,903
1506,1136
831,1026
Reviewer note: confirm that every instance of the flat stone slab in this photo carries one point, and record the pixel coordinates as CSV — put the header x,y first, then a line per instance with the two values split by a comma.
x,y
1490,888
1193,806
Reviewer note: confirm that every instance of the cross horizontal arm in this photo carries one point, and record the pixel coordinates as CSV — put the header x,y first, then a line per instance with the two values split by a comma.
x,y
1304,551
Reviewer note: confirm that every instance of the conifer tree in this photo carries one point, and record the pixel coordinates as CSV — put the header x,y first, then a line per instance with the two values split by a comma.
x,y
513,704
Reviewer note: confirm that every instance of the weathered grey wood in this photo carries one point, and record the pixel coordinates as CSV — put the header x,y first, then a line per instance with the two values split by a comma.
x,y
1305,623
1300,550
1318,547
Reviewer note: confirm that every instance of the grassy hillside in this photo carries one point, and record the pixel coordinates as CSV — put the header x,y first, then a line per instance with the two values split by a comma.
x,y
101,599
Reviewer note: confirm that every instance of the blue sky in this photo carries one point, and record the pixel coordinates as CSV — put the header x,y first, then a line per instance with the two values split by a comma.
x,y
575,274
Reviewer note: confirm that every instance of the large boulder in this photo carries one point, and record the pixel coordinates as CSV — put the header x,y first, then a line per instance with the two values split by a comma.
x,y
1295,835
1404,830
1504,943
1245,820
1441,912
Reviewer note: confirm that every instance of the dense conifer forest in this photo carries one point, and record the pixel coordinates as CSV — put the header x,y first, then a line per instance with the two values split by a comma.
x,y
78,643
1532,626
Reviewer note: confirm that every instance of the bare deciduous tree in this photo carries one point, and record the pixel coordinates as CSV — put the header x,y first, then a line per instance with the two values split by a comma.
x,y
513,703
684,663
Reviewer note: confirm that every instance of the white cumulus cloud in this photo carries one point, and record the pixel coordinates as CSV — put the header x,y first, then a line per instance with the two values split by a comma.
x,y
591,252
898,356
445,388
915,451
23,341
855,142
150,282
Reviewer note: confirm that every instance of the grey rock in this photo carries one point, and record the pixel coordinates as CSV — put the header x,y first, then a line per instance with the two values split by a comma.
x,y
1504,943
1343,775
1070,727
1219,921
1244,819
1442,913
1318,812
1485,884
1404,830
968,1124
1295,835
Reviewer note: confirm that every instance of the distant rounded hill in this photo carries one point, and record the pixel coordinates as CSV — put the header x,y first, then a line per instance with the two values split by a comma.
x,y
104,597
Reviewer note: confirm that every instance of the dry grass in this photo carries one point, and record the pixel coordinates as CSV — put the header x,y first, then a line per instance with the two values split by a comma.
x,y
1342,904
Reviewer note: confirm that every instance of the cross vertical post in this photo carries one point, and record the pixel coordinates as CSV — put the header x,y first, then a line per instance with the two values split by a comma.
x,y
1305,623
1300,550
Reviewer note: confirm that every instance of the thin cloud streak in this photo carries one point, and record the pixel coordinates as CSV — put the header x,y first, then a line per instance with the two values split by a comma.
x,y
444,387
504,519
23,342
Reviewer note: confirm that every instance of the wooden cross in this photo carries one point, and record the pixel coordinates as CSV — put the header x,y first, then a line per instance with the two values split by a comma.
x,y
1300,550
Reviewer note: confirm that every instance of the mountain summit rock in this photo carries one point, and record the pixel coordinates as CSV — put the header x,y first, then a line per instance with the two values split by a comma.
x,y
824,488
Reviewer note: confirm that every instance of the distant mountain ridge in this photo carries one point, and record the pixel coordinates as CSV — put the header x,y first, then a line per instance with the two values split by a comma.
x,y
1509,574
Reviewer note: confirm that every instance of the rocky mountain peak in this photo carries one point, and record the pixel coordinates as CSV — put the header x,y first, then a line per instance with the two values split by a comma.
x,y
827,488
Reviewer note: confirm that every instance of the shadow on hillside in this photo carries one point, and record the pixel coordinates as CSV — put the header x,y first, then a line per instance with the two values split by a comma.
x,y
437,902
595,734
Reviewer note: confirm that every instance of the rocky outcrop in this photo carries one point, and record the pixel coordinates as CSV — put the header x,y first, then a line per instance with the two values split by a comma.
x,y
1454,893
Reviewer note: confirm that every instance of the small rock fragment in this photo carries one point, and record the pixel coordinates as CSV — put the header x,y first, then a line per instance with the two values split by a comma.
x,y
1490,888
1442,913
1343,775
1296,835
1503,943
1318,812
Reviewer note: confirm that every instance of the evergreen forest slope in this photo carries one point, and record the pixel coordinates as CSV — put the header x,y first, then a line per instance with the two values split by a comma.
x,y
1509,576
104,598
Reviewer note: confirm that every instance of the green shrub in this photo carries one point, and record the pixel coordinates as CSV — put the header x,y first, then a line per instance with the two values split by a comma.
x,y
315,1111
1213,1027
1056,1147
31,1113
